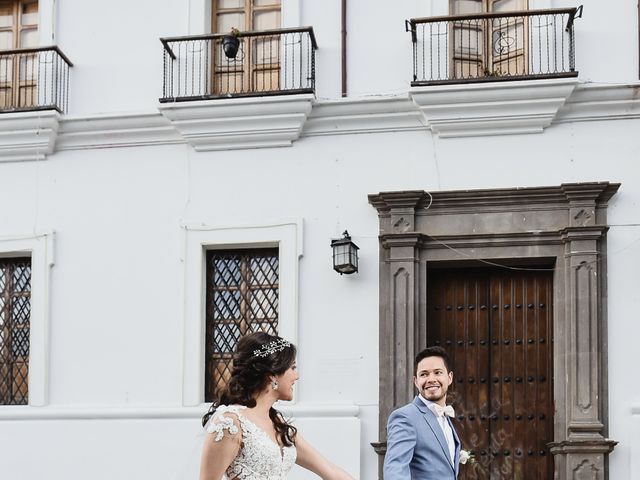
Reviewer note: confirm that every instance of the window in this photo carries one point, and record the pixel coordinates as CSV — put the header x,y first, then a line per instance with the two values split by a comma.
x,y
18,72
493,47
15,313
202,241
242,295
257,65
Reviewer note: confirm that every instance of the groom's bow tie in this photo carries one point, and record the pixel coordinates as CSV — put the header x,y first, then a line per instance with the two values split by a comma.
x,y
442,411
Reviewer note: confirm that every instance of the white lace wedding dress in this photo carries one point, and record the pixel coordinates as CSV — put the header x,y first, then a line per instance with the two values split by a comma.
x,y
260,458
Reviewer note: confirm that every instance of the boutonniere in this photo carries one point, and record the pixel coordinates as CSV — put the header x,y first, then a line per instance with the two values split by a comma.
x,y
466,457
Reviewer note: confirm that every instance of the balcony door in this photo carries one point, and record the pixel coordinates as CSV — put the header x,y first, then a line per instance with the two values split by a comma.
x,y
18,72
256,68
489,47
497,326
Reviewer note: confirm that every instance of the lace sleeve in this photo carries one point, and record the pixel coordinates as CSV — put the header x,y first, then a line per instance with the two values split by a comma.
x,y
222,421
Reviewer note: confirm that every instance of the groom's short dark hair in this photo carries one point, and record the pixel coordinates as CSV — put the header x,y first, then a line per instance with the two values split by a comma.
x,y
432,352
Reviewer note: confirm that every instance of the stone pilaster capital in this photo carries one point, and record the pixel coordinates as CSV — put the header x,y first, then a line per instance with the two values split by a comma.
x,y
588,446
386,202
580,233
402,240
399,208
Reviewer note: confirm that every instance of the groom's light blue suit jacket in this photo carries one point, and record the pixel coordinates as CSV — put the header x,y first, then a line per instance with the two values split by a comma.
x,y
416,447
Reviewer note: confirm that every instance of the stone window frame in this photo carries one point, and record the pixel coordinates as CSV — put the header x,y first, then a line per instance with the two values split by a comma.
x,y
563,225
286,235
40,248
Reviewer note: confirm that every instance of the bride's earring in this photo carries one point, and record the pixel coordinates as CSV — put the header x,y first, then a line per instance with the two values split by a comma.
x,y
274,384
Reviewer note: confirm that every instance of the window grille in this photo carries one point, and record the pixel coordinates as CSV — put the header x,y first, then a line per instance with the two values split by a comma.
x,y
15,313
241,297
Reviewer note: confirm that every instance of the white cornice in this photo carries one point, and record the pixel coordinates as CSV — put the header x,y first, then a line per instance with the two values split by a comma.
x,y
116,130
367,115
239,123
145,412
601,102
492,108
26,136
275,121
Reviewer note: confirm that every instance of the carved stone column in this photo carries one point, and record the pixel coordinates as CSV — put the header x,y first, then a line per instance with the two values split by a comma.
x,y
582,448
399,304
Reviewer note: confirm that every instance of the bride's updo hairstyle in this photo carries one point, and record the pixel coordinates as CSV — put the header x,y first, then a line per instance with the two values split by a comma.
x,y
257,358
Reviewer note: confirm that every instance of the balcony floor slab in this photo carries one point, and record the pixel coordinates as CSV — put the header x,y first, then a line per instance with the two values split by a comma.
x,y
495,108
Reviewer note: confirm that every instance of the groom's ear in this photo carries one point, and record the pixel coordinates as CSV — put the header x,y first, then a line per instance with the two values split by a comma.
x,y
450,378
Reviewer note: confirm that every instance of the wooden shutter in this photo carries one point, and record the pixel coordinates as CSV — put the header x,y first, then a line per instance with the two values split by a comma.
x,y
492,46
257,66
18,73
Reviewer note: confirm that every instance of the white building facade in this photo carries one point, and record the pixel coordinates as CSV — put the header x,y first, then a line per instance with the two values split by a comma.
x,y
483,154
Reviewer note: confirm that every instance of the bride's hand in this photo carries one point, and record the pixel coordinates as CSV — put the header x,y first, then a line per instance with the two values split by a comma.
x,y
309,458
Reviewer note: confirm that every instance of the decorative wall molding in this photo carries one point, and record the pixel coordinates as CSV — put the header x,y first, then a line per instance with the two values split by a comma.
x,y
591,102
278,121
492,108
240,123
116,130
370,115
146,412
27,136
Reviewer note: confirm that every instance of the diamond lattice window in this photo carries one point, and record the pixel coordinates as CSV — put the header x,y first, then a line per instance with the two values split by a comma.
x,y
242,297
15,313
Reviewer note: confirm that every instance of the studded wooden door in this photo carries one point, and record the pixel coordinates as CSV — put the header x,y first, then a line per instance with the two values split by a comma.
x,y
497,327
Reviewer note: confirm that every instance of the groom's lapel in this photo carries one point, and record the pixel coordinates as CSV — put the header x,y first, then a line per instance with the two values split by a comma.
x,y
435,427
458,444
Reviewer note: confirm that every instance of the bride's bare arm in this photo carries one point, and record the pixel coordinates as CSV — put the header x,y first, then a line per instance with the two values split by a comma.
x,y
221,445
309,458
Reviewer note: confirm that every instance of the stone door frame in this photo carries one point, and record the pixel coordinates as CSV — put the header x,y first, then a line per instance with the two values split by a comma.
x,y
560,225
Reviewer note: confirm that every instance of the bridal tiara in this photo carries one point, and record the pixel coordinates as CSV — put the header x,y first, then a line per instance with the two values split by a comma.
x,y
271,347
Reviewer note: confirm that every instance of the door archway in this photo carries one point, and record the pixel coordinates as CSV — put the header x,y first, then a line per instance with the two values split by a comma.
x,y
564,226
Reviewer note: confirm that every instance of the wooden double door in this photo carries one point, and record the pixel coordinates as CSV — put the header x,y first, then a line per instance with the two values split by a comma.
x,y
496,325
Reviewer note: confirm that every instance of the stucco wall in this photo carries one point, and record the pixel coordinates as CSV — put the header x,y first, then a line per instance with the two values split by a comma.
x,y
116,306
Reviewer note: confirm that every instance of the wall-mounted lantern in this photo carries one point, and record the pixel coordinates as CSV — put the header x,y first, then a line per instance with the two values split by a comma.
x,y
345,255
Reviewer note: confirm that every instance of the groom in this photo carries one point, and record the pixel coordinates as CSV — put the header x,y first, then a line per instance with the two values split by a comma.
x,y
421,441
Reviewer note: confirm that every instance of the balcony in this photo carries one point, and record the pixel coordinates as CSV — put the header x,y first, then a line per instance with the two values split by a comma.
x,y
258,97
34,92
270,62
493,73
493,46
34,79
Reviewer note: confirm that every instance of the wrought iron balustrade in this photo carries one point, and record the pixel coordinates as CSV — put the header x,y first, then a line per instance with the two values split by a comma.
x,y
34,79
493,46
268,62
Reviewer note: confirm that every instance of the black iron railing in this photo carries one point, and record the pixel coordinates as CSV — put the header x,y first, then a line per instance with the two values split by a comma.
x,y
267,62
34,79
493,46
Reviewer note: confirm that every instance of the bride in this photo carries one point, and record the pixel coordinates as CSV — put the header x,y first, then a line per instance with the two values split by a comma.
x,y
247,438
